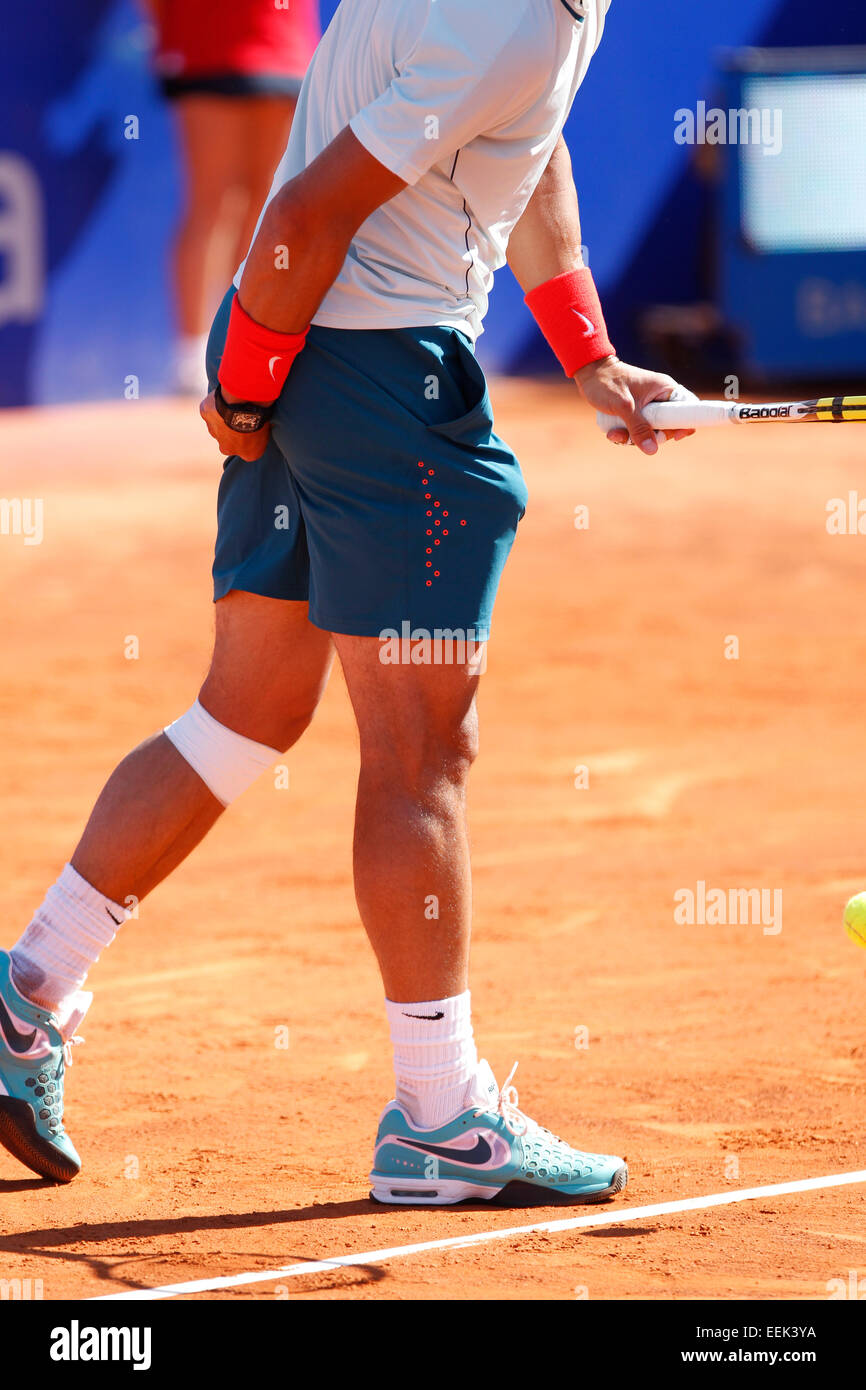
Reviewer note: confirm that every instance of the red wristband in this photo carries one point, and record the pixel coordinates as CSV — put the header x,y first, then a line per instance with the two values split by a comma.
x,y
567,309
256,360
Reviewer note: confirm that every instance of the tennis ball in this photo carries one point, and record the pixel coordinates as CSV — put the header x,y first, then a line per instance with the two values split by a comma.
x,y
855,919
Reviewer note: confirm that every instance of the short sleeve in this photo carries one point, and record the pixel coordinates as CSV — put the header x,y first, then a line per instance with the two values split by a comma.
x,y
474,66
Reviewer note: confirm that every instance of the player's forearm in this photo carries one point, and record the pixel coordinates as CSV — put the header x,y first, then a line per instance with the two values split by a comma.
x,y
546,241
293,262
306,233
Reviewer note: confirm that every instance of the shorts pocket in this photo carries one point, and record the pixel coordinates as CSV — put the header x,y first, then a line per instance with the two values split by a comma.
x,y
476,424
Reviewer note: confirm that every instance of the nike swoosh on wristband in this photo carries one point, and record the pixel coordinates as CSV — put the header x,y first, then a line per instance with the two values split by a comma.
x,y
116,920
271,366
479,1154
590,326
18,1042
431,1017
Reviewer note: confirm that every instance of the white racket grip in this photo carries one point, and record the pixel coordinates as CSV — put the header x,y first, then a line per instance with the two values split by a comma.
x,y
677,415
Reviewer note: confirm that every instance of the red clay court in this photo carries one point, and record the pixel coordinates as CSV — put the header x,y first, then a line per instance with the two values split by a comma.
x,y
717,1058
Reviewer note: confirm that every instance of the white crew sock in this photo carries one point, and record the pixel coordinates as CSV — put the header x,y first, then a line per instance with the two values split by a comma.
x,y
74,924
190,373
435,1060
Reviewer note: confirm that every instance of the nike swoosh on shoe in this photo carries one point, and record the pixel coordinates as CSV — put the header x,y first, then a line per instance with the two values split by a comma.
x,y
479,1154
18,1042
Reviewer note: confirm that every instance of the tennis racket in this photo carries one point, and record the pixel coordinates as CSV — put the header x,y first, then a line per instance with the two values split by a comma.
x,y
694,415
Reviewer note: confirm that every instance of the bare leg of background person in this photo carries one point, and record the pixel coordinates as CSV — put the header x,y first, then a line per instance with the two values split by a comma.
x,y
211,160
266,123
231,147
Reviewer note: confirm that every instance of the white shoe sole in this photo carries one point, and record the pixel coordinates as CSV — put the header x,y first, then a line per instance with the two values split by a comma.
x,y
414,1192
429,1192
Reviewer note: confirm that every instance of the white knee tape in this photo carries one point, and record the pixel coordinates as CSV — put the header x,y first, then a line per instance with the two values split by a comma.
x,y
226,762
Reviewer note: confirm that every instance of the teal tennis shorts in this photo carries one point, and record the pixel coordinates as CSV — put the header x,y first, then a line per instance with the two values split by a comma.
x,y
384,496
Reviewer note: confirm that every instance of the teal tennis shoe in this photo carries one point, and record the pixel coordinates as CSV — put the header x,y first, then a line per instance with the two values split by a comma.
x,y
490,1146
35,1048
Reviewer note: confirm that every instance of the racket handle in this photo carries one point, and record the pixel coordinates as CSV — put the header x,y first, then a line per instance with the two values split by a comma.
x,y
677,415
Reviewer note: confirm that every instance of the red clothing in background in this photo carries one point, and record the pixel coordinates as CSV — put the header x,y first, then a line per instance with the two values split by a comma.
x,y
204,37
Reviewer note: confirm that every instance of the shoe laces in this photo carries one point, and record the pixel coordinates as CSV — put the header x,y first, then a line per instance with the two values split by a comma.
x,y
75,1041
516,1122
506,1105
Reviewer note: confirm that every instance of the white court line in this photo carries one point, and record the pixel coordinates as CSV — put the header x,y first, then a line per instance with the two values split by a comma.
x,y
611,1216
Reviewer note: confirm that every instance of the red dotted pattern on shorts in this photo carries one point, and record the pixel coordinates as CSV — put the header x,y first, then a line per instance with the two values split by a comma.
x,y
430,473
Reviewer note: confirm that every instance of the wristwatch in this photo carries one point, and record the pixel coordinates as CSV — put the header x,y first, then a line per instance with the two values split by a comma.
x,y
244,416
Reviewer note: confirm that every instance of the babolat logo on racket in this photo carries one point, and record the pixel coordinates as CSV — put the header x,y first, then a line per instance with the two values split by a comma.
x,y
764,412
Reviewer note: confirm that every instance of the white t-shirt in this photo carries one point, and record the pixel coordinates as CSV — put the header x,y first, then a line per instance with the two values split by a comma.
x,y
465,100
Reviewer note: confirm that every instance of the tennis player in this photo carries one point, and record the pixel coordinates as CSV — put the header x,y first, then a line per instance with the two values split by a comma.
x,y
364,488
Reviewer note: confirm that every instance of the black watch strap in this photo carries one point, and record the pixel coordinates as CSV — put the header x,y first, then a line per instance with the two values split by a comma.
x,y
243,416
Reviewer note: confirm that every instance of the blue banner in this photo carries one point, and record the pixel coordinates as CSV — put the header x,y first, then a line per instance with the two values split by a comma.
x,y
90,185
